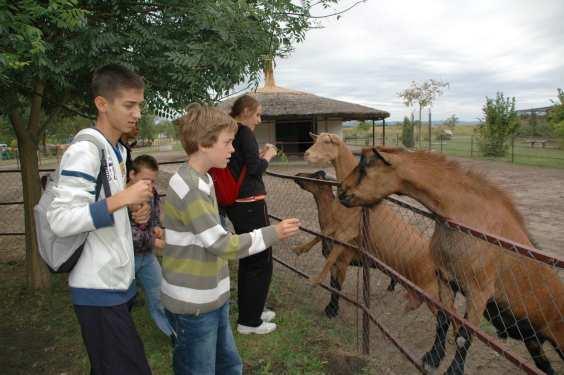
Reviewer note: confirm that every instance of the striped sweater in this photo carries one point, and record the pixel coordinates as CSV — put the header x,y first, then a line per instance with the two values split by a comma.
x,y
195,273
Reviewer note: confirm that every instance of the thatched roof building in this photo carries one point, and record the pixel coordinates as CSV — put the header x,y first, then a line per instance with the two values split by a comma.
x,y
289,115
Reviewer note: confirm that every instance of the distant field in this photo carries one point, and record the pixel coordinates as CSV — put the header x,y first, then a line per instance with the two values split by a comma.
x,y
464,144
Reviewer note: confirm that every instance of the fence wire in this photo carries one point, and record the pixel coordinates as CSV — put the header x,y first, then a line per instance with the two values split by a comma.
x,y
402,297
397,235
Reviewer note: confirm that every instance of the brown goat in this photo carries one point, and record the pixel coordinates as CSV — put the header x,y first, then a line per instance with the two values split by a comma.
x,y
329,208
388,232
523,298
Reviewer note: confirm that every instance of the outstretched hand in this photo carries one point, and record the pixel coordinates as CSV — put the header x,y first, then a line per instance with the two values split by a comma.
x,y
287,228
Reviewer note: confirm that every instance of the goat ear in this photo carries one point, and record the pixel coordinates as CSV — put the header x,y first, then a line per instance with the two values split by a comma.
x,y
313,136
380,156
333,138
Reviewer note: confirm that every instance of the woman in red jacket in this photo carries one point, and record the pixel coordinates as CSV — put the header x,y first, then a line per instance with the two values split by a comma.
x,y
250,212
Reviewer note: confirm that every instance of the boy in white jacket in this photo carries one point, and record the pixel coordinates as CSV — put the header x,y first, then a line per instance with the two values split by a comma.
x,y
102,282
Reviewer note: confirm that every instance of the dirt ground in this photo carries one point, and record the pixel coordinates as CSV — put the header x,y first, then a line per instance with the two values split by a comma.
x,y
538,193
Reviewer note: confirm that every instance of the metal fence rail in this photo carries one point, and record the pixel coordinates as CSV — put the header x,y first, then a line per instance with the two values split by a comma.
x,y
286,199
505,245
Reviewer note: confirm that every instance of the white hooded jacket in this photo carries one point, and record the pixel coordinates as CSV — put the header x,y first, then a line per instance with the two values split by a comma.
x,y
107,261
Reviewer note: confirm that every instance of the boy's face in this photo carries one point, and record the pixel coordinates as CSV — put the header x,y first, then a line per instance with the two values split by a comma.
x,y
219,153
123,111
143,174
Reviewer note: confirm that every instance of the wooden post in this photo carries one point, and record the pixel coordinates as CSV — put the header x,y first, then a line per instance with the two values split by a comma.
x,y
472,146
364,222
383,131
373,134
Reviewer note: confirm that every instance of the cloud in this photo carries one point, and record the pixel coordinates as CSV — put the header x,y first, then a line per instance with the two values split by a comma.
x,y
480,47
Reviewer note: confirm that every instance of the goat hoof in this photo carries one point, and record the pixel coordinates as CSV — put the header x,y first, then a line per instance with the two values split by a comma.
x,y
331,311
430,362
298,251
460,342
454,370
315,281
392,285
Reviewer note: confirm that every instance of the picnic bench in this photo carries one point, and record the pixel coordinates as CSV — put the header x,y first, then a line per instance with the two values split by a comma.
x,y
532,142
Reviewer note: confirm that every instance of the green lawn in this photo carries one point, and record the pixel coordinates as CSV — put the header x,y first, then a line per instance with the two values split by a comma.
x,y
39,333
463,144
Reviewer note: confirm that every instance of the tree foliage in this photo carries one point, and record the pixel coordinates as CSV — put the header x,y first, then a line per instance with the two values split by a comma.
x,y
423,95
556,116
451,121
500,124
187,50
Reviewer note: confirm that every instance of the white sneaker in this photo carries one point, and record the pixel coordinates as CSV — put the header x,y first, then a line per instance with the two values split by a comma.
x,y
268,316
263,329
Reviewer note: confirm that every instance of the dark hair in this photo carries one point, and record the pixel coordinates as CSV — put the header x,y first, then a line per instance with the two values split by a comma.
x,y
144,161
201,125
109,79
243,102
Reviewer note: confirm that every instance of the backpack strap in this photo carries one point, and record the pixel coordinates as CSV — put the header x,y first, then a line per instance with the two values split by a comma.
x,y
102,179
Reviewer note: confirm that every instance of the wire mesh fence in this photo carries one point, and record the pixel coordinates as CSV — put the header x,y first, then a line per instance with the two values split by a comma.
x,y
387,278
526,151
396,238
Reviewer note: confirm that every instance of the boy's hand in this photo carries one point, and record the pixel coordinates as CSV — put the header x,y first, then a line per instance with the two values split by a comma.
x,y
141,213
159,244
158,232
139,192
287,227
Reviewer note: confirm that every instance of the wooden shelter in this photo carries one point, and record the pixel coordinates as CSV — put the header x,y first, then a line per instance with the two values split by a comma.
x,y
289,115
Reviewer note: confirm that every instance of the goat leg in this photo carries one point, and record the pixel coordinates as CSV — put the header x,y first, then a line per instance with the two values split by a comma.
x,y
305,247
331,259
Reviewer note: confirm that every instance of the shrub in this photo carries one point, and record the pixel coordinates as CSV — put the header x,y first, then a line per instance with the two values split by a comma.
x,y
500,124
407,137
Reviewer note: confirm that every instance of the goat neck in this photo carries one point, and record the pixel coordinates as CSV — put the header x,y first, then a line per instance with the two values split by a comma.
x,y
344,163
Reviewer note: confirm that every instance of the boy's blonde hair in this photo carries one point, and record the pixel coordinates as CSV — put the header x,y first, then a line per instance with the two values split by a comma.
x,y
201,125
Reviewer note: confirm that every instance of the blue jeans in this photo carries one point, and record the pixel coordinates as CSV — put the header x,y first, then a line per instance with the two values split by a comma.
x,y
204,344
148,273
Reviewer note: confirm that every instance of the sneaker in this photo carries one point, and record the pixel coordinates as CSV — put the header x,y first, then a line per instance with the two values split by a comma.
x,y
268,316
263,329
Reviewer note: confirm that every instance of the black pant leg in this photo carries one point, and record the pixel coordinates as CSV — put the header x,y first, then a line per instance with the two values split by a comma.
x,y
255,271
112,342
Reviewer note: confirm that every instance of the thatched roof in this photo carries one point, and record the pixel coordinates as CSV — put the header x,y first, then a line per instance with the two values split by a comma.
x,y
281,103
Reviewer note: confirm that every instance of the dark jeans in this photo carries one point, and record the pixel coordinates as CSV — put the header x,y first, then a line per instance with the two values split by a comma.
x,y
255,271
111,340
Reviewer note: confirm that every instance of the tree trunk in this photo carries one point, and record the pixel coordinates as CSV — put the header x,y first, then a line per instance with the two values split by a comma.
x,y
430,129
37,273
419,132
38,276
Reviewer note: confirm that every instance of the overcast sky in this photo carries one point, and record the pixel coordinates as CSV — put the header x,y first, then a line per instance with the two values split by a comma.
x,y
479,46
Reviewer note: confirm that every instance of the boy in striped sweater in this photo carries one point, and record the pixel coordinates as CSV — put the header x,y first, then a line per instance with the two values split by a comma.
x,y
195,285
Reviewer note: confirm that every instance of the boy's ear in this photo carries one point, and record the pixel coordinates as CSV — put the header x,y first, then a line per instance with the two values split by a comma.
x,y
101,103
131,174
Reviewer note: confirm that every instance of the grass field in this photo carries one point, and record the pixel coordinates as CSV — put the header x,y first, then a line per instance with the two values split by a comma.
x,y
39,333
464,144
